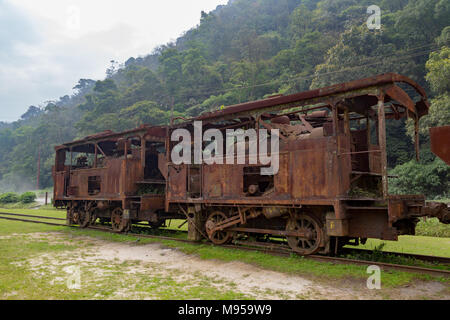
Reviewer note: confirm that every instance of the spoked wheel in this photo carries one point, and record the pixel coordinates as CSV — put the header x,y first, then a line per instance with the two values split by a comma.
x,y
118,222
93,217
313,230
217,237
72,216
84,218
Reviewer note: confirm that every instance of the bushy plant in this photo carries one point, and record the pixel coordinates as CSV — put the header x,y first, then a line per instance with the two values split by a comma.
x,y
27,197
9,197
431,179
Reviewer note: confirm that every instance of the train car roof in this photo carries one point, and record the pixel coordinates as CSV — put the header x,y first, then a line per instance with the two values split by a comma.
x,y
387,80
156,133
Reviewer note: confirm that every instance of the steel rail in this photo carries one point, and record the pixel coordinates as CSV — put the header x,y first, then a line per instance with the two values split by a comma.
x,y
29,215
34,221
421,257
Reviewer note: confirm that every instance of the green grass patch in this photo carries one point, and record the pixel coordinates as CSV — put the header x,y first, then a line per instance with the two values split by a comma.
x,y
431,227
412,244
16,279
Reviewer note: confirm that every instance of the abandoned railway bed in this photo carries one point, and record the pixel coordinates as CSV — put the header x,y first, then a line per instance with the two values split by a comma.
x,y
269,248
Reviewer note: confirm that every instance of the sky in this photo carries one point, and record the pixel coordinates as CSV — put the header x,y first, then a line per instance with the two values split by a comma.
x,y
46,46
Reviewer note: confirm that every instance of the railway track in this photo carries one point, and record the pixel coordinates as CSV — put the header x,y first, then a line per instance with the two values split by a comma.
x,y
421,257
29,215
270,248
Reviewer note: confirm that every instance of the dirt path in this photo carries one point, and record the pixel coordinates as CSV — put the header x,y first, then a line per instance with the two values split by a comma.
x,y
154,261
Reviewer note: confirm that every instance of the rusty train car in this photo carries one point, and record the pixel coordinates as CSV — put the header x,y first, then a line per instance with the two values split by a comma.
x,y
331,187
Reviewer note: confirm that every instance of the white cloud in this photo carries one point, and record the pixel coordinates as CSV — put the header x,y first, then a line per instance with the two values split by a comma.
x,y
47,45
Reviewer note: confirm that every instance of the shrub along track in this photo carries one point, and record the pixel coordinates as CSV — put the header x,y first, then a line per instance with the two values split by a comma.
x,y
272,248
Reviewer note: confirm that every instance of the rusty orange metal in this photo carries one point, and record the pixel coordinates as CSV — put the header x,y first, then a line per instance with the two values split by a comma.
x,y
440,142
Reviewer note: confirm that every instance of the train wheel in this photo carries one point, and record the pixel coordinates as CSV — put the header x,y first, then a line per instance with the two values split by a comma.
x,y
118,223
217,237
69,216
84,218
93,217
312,227
74,215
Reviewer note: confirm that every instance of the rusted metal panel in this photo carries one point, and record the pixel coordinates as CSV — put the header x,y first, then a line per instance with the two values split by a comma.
x,y
152,202
440,142
308,168
370,223
402,207
213,184
59,184
162,164
111,179
375,159
397,209
194,181
337,227
79,179
131,172
281,179
177,182
232,180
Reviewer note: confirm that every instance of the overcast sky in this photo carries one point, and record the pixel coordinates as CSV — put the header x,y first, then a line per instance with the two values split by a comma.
x,y
47,45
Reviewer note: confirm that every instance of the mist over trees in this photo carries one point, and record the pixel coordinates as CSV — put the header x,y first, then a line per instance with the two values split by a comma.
x,y
246,50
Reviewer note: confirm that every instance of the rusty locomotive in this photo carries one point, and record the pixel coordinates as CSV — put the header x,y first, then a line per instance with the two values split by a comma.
x,y
331,187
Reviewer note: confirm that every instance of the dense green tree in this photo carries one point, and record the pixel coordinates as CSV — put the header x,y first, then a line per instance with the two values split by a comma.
x,y
32,112
147,112
432,179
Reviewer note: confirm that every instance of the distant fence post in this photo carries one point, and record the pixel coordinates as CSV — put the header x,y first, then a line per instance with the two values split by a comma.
x,y
46,197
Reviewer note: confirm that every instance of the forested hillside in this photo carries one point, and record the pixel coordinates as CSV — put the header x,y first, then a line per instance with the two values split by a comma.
x,y
246,50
